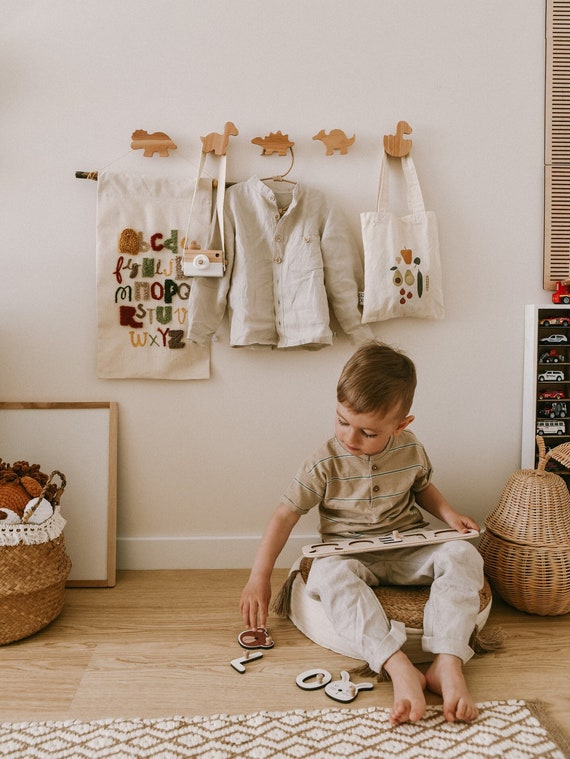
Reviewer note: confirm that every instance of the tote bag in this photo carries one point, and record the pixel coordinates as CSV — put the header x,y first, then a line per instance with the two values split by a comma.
x,y
402,268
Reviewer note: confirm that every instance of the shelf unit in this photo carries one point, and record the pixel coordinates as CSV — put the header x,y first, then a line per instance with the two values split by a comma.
x,y
546,395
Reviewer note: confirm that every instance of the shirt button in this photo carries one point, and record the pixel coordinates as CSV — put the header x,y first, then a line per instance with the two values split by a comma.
x,y
277,238
278,260
374,467
276,217
376,488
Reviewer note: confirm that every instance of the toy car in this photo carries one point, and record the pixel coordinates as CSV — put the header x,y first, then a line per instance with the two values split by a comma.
x,y
563,321
552,375
551,428
551,357
554,410
551,395
554,339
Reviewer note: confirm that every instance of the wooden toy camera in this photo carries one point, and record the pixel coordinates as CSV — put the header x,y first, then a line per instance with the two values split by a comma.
x,y
202,263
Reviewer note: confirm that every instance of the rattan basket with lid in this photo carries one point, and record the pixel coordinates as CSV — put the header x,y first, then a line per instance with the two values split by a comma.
x,y
526,546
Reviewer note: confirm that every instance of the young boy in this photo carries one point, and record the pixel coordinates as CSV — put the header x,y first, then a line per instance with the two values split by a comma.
x,y
369,480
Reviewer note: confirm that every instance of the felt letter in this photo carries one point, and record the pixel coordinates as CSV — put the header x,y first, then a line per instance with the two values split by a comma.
x,y
157,291
117,272
138,339
172,242
142,291
164,314
170,289
124,293
175,338
154,244
148,267
184,291
164,335
127,317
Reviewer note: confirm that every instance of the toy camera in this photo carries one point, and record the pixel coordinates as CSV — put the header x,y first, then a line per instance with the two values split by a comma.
x,y
202,263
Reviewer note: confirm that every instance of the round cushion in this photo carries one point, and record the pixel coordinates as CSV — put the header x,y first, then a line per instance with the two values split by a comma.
x,y
403,603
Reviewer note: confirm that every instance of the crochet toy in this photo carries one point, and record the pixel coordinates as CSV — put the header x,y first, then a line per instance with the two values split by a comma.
x,y
24,496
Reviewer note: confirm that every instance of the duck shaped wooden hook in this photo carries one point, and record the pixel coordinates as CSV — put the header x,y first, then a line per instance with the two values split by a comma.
x,y
395,144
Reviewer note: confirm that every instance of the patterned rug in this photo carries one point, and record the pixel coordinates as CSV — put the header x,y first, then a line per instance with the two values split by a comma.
x,y
505,729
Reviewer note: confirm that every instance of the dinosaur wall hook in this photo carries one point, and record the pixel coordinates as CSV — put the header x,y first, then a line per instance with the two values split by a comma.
x,y
395,144
336,139
218,143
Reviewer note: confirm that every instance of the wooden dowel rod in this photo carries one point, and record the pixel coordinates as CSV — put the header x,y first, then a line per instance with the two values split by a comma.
x,y
94,175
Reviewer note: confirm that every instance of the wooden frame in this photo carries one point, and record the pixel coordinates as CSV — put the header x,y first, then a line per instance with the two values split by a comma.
x,y
556,145
80,440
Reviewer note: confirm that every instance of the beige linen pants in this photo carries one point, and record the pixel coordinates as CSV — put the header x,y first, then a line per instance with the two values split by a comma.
x,y
343,584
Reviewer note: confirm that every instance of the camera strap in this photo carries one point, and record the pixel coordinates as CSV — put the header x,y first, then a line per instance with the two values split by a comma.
x,y
218,211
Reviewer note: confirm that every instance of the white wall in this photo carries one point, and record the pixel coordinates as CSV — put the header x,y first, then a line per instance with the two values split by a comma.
x,y
203,463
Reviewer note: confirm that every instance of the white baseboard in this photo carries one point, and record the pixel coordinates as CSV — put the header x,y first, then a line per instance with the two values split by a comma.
x,y
201,552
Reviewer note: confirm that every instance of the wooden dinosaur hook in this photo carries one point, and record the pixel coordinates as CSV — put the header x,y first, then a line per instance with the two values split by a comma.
x,y
218,143
395,144
336,139
274,142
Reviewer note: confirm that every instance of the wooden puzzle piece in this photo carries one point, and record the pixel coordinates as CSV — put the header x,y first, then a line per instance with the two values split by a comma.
x,y
239,663
344,690
321,678
255,638
386,542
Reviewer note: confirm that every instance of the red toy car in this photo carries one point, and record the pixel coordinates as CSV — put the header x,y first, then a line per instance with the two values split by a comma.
x,y
550,321
551,357
554,395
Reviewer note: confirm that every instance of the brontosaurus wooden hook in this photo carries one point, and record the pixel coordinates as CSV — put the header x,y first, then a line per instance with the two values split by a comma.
x,y
395,144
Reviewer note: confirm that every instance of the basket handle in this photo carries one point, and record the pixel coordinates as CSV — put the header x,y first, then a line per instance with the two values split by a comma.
x,y
56,498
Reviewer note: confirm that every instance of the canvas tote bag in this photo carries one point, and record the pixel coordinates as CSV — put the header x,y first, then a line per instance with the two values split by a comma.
x,y
402,268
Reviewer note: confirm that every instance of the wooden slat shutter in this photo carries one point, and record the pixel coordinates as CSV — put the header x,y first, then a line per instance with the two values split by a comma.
x,y
557,144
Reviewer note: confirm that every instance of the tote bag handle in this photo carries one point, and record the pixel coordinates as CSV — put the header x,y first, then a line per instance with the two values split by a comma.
x,y
414,194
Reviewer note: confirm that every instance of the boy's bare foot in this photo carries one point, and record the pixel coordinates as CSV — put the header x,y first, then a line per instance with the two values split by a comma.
x,y
409,684
445,677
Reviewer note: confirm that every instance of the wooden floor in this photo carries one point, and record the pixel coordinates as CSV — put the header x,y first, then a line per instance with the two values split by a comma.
x,y
160,644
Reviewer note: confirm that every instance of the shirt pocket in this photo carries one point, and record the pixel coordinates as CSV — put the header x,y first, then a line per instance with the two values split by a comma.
x,y
306,254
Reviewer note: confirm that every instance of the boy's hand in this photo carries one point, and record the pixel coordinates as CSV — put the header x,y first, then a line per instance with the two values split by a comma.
x,y
462,523
254,603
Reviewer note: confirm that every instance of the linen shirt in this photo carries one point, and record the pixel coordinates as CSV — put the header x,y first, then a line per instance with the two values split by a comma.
x,y
282,271
363,495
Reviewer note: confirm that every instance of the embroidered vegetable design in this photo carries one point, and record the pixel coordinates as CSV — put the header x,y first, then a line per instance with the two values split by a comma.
x,y
412,276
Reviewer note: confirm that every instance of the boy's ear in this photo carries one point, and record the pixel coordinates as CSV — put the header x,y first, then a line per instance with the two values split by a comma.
x,y
404,423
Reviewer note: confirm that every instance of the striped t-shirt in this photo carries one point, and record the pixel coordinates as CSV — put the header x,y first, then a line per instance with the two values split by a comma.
x,y
363,494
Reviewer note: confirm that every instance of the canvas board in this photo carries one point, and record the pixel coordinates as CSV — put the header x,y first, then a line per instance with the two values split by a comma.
x,y
80,440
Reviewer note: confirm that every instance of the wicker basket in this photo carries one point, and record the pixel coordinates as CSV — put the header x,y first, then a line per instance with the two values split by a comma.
x,y
34,567
526,547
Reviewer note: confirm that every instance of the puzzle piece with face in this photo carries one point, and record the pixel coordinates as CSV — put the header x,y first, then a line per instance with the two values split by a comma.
x,y
344,690
255,638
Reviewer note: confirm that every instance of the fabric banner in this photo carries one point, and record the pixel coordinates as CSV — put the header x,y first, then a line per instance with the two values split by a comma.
x,y
142,292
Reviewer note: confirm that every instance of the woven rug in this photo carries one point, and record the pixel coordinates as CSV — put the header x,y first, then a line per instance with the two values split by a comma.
x,y
506,729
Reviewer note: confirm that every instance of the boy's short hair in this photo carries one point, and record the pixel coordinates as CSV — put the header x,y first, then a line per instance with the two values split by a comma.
x,y
377,378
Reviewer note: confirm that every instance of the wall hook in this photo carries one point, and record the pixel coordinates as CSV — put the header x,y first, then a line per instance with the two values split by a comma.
x,y
218,143
395,144
274,142
336,139
157,142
